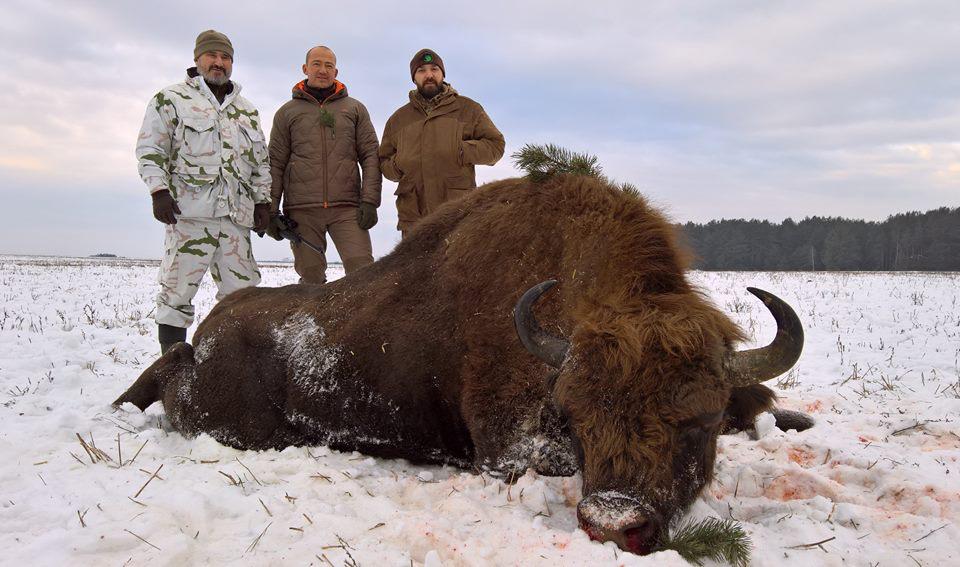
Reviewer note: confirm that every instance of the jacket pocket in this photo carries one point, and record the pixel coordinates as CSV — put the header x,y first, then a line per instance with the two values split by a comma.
x,y
192,188
402,162
447,132
295,174
252,149
242,211
459,186
459,144
194,176
201,143
408,210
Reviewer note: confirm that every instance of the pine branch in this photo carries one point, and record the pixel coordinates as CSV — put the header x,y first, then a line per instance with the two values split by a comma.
x,y
541,162
712,538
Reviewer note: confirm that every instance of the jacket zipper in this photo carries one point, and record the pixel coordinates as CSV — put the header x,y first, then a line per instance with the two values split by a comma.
x,y
323,148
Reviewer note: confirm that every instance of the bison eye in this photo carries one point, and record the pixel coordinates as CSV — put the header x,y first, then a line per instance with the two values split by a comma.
x,y
702,421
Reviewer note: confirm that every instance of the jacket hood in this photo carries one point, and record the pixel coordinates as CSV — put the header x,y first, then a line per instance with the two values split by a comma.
x,y
444,97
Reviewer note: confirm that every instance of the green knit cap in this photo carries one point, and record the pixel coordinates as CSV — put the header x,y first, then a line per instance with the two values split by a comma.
x,y
211,40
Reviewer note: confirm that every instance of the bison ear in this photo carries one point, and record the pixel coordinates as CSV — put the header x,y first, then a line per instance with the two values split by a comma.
x,y
745,404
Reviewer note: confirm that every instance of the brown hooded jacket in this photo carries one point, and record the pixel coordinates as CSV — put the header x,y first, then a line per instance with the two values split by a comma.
x,y
431,147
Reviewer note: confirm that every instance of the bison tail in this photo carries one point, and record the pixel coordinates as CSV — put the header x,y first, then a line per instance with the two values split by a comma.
x,y
150,385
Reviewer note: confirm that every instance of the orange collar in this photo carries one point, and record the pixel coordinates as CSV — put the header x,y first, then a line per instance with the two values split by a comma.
x,y
302,86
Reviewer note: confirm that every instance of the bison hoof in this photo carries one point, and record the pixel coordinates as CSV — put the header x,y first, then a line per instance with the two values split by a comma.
x,y
789,419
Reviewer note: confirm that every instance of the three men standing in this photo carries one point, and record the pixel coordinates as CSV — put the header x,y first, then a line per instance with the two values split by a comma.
x,y
317,140
202,154
431,144
203,157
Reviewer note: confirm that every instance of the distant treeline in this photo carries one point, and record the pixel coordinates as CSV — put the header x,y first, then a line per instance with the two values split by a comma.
x,y
909,241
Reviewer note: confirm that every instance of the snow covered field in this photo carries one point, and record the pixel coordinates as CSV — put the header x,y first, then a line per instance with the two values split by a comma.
x,y
876,482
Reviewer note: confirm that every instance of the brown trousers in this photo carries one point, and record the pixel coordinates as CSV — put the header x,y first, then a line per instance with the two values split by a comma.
x,y
352,242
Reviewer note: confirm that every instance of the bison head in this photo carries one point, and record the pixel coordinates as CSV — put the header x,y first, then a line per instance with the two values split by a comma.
x,y
643,389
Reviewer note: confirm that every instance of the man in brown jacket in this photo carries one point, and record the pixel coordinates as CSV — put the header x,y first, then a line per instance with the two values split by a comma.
x,y
431,144
317,140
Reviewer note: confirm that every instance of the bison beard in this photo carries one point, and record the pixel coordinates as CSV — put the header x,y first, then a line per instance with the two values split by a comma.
x,y
415,356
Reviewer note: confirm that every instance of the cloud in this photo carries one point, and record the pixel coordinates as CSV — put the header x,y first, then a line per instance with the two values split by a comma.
x,y
715,109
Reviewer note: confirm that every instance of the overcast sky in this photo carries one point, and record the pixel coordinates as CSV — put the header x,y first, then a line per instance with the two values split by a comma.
x,y
715,109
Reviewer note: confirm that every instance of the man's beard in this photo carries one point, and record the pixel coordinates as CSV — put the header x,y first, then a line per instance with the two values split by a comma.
x,y
220,80
429,90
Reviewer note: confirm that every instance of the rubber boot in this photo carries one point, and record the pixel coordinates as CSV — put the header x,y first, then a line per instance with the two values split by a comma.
x,y
169,336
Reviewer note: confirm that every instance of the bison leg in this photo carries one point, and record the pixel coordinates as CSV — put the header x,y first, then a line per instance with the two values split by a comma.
x,y
748,402
149,386
555,454
542,443
745,405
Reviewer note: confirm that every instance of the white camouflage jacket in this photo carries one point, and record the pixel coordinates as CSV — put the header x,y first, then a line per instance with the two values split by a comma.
x,y
212,157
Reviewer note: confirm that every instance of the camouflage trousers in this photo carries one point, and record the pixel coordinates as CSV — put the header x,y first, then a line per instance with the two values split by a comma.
x,y
192,246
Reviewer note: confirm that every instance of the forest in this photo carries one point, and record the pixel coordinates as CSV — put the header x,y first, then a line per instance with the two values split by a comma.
x,y
907,241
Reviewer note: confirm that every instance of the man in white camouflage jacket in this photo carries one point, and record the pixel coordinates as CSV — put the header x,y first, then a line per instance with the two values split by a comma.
x,y
202,154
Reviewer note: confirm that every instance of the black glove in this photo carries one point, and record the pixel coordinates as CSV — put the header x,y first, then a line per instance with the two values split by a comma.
x,y
165,207
279,223
366,216
261,217
273,228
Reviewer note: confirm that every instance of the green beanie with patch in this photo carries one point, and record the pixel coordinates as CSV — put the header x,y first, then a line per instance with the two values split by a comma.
x,y
425,57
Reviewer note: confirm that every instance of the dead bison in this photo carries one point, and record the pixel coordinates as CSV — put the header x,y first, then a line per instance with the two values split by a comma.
x,y
630,380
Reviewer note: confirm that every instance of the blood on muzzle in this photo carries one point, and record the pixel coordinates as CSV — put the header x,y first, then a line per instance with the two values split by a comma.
x,y
616,517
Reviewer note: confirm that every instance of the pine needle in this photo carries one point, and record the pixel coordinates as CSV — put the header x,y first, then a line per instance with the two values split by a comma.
x,y
712,538
541,162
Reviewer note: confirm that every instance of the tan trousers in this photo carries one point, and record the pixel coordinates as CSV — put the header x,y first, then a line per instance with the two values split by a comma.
x,y
353,243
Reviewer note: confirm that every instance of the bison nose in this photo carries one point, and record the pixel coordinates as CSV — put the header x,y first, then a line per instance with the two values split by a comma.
x,y
620,519
641,537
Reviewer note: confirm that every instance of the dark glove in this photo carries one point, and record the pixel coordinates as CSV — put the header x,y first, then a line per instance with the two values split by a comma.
x,y
261,217
165,207
366,216
279,223
273,228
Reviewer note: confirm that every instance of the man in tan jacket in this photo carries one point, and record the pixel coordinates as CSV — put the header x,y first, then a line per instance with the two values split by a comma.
x,y
431,144
317,141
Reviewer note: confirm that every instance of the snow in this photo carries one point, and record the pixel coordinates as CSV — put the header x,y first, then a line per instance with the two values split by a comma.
x,y
297,339
875,480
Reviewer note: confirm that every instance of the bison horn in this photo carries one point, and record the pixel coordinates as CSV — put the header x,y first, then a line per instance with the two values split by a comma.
x,y
543,345
761,364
